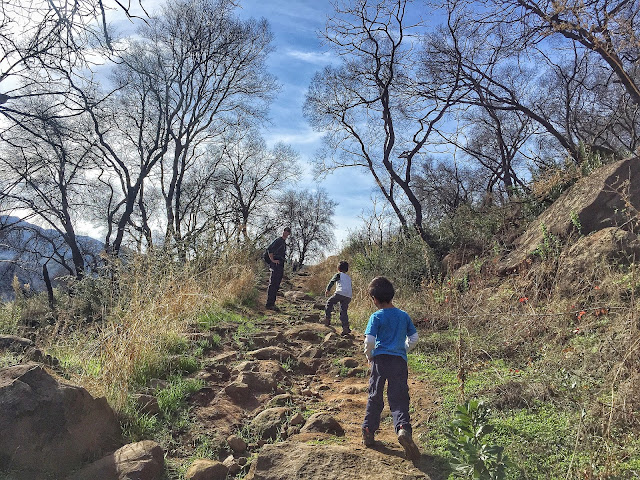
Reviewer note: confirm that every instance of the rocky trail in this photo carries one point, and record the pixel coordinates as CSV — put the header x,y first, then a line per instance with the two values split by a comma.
x,y
283,397
254,397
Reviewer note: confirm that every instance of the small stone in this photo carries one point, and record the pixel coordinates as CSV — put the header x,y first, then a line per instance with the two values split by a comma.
x,y
237,444
297,419
204,469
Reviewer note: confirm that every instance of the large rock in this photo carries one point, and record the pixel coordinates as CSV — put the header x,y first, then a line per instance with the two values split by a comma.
x,y
324,423
137,461
49,427
288,460
268,422
311,332
207,470
271,353
596,201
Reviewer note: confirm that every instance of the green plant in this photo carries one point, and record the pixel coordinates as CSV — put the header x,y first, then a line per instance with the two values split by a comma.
x,y
549,246
472,456
575,221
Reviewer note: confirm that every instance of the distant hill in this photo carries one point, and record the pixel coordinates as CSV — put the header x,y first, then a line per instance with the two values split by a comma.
x,y
25,248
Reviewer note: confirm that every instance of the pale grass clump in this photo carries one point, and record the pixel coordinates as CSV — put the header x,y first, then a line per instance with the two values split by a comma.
x,y
158,304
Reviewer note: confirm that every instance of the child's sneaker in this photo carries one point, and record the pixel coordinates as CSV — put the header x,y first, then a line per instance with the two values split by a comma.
x,y
367,437
410,448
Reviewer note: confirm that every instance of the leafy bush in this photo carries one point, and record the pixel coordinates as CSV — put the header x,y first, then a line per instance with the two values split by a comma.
x,y
472,456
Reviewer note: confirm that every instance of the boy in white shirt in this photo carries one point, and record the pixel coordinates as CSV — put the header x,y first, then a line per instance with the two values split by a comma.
x,y
342,295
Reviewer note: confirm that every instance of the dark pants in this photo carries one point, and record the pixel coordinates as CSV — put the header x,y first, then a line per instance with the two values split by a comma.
x,y
276,271
392,369
344,304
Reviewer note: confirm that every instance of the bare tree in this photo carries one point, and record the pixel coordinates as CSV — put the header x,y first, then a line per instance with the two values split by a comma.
x,y
195,70
39,38
310,215
212,66
609,29
49,174
250,177
369,106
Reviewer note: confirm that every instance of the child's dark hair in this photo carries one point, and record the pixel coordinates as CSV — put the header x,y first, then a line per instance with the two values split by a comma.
x,y
381,289
343,266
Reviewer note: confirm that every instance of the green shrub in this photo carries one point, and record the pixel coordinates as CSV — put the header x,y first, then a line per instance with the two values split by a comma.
x,y
472,456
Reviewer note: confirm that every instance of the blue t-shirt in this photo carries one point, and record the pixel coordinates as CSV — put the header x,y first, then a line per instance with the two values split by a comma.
x,y
391,327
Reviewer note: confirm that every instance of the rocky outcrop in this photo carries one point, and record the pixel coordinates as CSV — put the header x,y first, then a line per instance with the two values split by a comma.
x,y
287,460
579,263
49,427
598,201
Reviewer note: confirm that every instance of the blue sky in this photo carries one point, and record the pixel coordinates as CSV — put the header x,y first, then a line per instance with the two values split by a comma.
x,y
299,54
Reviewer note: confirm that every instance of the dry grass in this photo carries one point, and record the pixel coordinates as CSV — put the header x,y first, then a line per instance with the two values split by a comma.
x,y
158,305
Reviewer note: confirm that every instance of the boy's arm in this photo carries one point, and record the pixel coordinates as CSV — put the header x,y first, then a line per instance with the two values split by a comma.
x,y
333,280
411,342
369,344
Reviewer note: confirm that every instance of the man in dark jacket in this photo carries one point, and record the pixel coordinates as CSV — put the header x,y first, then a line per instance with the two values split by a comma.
x,y
276,251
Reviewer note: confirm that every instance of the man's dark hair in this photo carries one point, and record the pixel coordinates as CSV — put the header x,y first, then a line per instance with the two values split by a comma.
x,y
287,229
381,289
343,266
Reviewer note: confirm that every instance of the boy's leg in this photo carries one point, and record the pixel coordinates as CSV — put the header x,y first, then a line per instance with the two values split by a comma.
x,y
398,393
375,402
344,316
328,309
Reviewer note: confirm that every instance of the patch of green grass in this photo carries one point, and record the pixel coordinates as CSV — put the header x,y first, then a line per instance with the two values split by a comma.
x,y
540,441
8,359
9,318
137,426
216,316
332,440
173,398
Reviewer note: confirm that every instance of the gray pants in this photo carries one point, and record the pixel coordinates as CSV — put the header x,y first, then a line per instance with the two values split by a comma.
x,y
344,304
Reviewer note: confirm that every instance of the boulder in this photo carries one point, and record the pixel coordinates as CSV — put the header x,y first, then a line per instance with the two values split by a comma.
x,y
204,469
595,201
12,342
348,362
50,427
312,332
579,262
323,422
271,353
140,461
281,400
236,444
294,296
288,460
147,404
258,381
268,422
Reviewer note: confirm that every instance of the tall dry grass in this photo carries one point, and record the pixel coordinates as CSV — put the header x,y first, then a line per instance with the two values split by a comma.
x,y
151,305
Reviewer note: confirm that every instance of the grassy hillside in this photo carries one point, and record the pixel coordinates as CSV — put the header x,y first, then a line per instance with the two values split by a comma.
x,y
556,364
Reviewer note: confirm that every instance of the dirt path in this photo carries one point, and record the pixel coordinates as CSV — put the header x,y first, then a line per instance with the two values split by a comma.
x,y
294,363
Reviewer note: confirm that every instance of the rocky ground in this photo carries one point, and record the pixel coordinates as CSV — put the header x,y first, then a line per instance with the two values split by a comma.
x,y
254,398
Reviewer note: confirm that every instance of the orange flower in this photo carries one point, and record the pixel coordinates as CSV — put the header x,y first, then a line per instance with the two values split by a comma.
x,y
581,314
523,299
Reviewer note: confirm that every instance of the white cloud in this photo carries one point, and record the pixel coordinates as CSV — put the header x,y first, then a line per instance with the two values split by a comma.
x,y
315,58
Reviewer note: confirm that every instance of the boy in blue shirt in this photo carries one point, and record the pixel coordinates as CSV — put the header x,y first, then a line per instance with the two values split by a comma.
x,y
390,334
